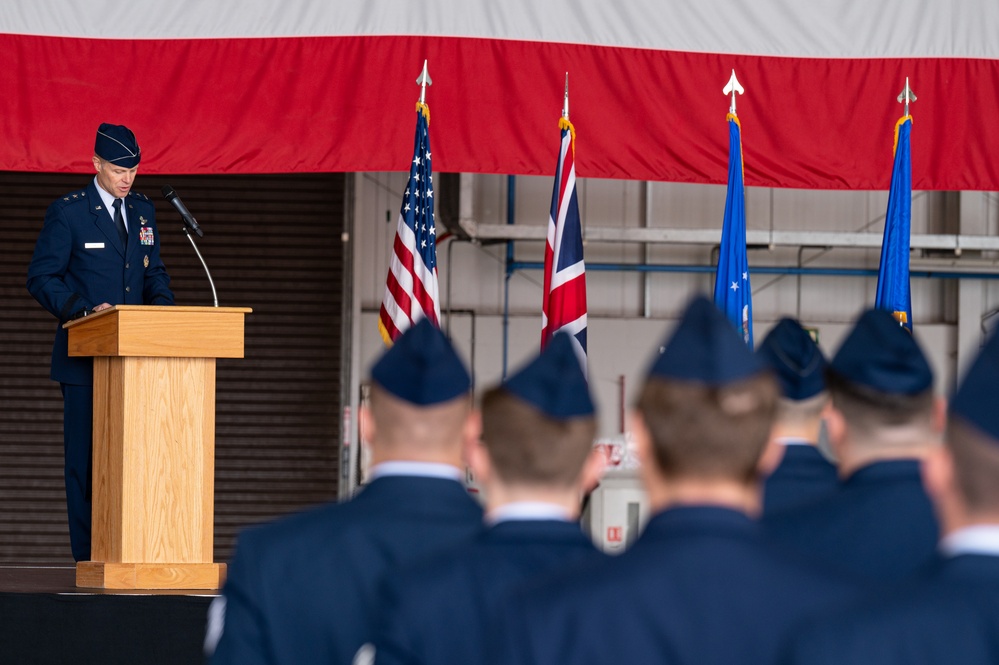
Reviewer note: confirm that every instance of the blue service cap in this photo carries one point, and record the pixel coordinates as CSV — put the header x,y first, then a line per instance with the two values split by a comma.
x,y
975,399
882,355
117,144
705,347
554,381
422,367
795,358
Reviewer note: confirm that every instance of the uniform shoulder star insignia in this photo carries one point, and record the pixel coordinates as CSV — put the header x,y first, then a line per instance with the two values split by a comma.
x,y
72,197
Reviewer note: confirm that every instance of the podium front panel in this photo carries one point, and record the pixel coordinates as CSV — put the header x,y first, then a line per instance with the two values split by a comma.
x,y
154,460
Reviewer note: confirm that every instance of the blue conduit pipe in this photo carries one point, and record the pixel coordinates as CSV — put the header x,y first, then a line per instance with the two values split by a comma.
x,y
512,266
511,216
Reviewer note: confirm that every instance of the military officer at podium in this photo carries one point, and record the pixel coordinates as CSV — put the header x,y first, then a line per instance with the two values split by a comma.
x,y
99,247
303,589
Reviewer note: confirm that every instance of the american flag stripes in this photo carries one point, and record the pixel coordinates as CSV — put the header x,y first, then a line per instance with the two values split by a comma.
x,y
564,305
411,291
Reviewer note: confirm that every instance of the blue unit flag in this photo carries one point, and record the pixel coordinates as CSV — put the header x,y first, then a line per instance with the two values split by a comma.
x,y
733,294
893,274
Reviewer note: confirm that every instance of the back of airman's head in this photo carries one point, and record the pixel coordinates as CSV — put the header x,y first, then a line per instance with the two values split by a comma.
x,y
539,425
973,432
420,389
880,377
708,401
800,369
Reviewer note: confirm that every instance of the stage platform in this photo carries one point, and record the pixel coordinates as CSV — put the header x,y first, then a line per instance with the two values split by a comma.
x,y
45,618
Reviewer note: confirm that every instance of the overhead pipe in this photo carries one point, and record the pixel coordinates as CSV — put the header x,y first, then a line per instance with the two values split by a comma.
x,y
511,216
513,266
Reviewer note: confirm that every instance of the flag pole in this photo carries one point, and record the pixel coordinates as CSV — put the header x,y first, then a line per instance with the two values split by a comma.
x,y
733,86
893,291
423,80
733,294
411,287
565,100
907,95
563,303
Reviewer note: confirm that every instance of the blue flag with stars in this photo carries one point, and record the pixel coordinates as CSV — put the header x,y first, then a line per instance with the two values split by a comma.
x,y
732,293
893,292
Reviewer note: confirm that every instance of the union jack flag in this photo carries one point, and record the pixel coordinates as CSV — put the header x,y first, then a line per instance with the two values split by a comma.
x,y
564,305
411,291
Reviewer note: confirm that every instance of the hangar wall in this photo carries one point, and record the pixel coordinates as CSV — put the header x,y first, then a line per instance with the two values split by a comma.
x,y
629,312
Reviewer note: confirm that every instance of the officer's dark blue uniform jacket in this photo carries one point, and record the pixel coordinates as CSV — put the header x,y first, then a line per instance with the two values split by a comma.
x,y
700,586
303,589
879,525
440,610
951,615
802,476
79,262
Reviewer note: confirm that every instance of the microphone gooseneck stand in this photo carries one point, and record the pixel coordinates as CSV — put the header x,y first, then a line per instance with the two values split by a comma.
x,y
215,297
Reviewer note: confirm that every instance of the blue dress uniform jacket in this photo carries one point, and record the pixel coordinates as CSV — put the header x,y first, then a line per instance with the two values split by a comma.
x,y
441,610
303,589
802,476
79,262
879,525
951,615
701,586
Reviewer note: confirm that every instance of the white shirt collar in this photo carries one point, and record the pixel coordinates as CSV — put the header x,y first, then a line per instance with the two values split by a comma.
x,y
108,199
975,539
792,441
421,469
527,510
106,196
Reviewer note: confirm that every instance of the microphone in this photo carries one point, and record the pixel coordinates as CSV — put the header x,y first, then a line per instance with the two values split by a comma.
x,y
172,197
192,224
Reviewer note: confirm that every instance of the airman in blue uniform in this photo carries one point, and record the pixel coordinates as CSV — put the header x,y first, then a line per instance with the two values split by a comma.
x,y
884,418
701,584
534,463
99,247
804,473
303,589
950,613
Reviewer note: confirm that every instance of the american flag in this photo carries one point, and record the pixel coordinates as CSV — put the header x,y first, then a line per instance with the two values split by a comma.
x,y
564,305
411,287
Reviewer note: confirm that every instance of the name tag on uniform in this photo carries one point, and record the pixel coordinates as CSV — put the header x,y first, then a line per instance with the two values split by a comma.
x,y
93,245
146,235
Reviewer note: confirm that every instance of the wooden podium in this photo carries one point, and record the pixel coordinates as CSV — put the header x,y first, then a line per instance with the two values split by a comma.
x,y
154,442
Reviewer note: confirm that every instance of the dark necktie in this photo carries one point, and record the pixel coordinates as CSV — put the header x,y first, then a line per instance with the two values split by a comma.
x,y
119,223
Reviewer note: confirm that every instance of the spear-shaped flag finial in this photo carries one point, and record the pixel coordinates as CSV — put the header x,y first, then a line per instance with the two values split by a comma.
x,y
423,80
565,100
907,95
733,86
